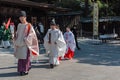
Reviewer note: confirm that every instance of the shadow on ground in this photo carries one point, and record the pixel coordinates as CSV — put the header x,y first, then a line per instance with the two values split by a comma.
x,y
8,67
42,63
105,54
11,74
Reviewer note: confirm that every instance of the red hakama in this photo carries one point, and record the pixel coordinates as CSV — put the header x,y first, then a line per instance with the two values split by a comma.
x,y
69,54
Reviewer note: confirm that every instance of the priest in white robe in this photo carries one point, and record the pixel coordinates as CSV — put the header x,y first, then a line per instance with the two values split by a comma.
x,y
55,45
71,45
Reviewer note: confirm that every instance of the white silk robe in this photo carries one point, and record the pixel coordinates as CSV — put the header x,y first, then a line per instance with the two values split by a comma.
x,y
57,49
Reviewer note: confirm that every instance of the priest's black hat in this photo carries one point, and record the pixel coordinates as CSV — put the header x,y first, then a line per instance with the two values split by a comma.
x,y
22,14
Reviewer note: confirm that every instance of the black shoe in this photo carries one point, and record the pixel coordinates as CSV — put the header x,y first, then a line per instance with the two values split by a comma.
x,y
8,47
2,47
23,73
79,48
51,66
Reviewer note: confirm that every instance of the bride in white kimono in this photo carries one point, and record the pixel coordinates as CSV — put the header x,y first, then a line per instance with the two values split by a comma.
x,y
55,45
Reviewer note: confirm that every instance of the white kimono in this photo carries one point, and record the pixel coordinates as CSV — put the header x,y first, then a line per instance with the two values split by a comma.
x,y
70,40
57,47
25,40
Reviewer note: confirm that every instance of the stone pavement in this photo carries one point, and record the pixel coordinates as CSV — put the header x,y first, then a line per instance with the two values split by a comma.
x,y
93,62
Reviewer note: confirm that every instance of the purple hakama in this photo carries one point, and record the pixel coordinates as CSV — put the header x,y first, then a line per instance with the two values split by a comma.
x,y
24,64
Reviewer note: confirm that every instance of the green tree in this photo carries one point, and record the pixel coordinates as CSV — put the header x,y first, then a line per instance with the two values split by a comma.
x,y
106,7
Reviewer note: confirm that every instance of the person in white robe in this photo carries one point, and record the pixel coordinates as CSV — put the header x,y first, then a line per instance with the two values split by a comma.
x,y
71,45
55,45
26,44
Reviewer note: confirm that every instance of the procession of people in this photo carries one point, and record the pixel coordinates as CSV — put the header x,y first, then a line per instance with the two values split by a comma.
x,y
58,45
